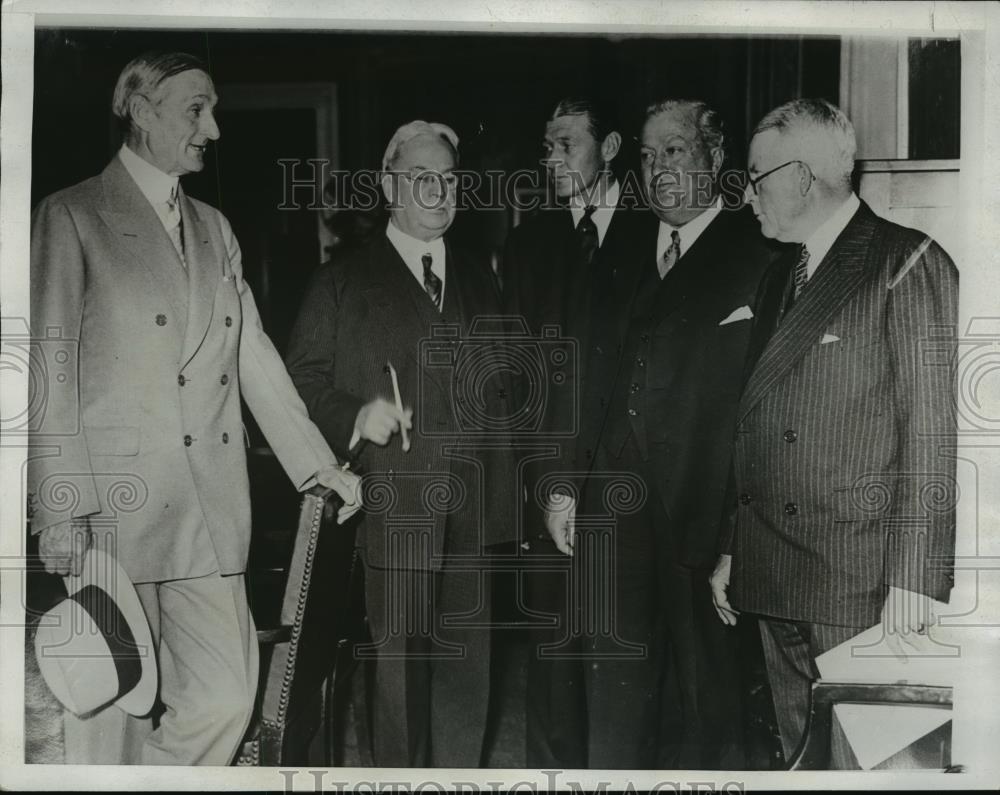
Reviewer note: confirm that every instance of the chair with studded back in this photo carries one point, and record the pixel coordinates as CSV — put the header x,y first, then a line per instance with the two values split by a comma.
x,y
305,662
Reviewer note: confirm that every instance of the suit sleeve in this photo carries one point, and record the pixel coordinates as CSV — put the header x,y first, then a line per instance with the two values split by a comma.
x,y
312,359
269,392
922,319
61,484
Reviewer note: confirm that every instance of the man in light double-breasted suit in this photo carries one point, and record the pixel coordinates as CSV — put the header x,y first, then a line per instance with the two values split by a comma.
x,y
844,463
141,447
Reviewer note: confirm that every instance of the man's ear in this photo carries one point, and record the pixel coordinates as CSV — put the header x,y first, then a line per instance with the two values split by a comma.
x,y
389,182
718,155
140,111
806,178
610,146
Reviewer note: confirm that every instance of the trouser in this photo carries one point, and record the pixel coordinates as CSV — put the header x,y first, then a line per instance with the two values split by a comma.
x,y
661,671
431,653
555,704
790,649
206,649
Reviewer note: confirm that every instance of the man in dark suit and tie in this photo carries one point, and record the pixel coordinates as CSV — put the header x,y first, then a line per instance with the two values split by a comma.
x,y
440,496
844,466
670,413
144,285
564,267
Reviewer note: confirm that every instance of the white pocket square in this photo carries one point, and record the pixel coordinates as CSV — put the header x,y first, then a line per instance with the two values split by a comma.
x,y
829,338
743,313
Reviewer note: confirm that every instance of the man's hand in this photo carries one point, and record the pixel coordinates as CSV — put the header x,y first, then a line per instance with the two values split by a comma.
x,y
62,546
560,520
348,488
719,580
379,420
905,615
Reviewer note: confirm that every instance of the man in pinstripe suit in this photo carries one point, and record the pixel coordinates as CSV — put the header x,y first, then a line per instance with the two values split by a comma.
x,y
843,456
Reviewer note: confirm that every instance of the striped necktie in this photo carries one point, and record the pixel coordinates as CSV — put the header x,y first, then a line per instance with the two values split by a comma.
x,y
801,271
671,255
432,284
175,226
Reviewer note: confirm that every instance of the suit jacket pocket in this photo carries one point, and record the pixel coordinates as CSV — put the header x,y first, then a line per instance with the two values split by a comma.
x,y
114,440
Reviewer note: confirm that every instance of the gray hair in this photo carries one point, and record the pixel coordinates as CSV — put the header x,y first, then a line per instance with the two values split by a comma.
x,y
707,120
411,130
827,134
144,75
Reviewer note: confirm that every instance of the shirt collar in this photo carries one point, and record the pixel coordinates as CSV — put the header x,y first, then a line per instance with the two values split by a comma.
x,y
820,241
155,185
412,249
690,231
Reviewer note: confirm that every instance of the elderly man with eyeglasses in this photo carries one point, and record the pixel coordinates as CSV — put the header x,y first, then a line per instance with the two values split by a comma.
x,y
408,406
844,468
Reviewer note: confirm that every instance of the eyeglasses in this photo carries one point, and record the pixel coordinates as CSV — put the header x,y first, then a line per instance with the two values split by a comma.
x,y
425,179
752,182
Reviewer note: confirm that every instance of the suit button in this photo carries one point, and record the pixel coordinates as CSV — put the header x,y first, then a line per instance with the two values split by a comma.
x,y
187,440
390,474
502,394
640,362
224,380
791,508
790,436
225,438
634,388
744,499
632,412
644,338
181,380
598,349
161,320
229,321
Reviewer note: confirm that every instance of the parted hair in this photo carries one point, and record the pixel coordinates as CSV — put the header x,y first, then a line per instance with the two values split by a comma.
x,y
144,75
824,129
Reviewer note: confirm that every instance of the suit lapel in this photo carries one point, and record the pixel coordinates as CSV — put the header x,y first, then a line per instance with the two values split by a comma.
x,y
129,214
835,281
204,273
402,307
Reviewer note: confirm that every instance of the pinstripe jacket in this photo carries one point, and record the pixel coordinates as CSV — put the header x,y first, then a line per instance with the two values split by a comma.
x,y
844,449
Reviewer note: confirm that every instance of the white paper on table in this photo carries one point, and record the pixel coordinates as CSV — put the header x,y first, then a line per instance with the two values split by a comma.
x,y
877,731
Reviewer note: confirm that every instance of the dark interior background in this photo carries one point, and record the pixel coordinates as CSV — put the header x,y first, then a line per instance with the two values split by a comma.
x,y
496,91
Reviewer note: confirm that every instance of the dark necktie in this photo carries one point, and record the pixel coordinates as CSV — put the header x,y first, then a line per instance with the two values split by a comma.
x,y
432,284
586,233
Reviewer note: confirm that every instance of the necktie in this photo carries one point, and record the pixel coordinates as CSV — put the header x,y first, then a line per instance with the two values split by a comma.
x,y
174,224
586,232
671,255
432,284
799,278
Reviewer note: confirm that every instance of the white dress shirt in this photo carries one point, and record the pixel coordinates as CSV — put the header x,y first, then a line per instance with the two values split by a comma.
x,y
158,188
822,239
689,233
412,251
602,215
